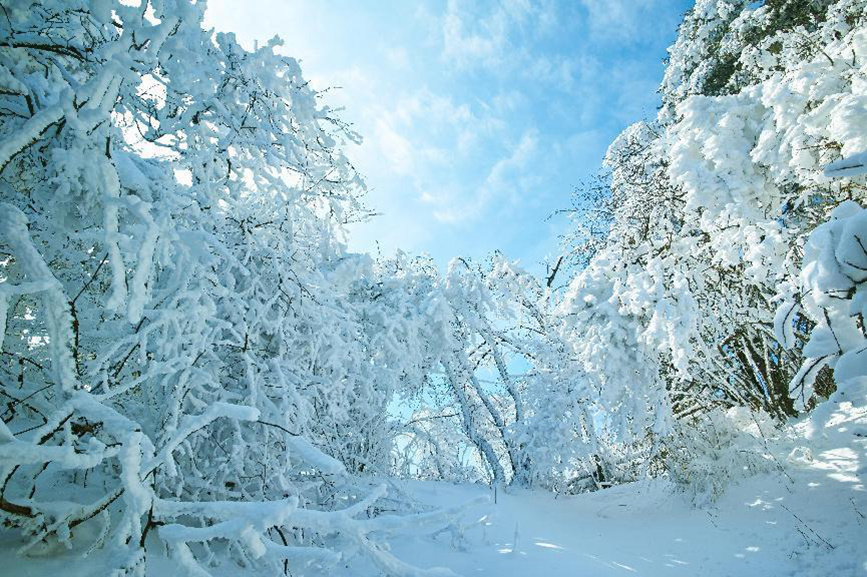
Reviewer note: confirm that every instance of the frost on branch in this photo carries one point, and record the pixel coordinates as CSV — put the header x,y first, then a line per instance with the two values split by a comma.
x,y
854,165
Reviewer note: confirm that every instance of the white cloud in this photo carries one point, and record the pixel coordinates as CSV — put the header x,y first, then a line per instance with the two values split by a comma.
x,y
507,168
627,20
505,181
473,38
398,57
496,38
466,109
394,147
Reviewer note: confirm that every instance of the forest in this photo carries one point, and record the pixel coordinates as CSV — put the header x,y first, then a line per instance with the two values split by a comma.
x,y
199,377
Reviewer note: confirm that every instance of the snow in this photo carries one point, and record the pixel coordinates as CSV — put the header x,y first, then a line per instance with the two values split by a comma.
x,y
833,272
771,524
29,132
226,395
777,523
308,453
852,166
644,529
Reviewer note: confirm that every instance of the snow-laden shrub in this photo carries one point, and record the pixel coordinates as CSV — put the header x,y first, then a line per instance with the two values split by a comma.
x,y
709,452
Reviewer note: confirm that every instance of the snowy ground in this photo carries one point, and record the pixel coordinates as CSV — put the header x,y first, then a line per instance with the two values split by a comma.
x,y
759,528
765,526
810,521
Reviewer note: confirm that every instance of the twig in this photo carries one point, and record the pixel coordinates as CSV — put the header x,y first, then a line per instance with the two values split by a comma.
x,y
813,531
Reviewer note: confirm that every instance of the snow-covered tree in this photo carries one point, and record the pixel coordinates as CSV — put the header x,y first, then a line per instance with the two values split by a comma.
x,y
190,358
711,204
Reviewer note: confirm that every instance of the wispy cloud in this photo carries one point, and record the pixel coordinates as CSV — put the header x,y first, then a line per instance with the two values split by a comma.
x,y
478,117
505,182
494,36
630,20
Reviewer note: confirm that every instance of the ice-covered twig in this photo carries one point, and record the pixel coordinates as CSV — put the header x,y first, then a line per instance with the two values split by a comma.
x,y
854,165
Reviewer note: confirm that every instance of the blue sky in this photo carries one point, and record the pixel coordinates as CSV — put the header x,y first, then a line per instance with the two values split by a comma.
x,y
478,118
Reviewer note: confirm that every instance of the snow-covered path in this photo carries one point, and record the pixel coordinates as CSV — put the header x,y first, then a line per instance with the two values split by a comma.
x,y
809,521
765,526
